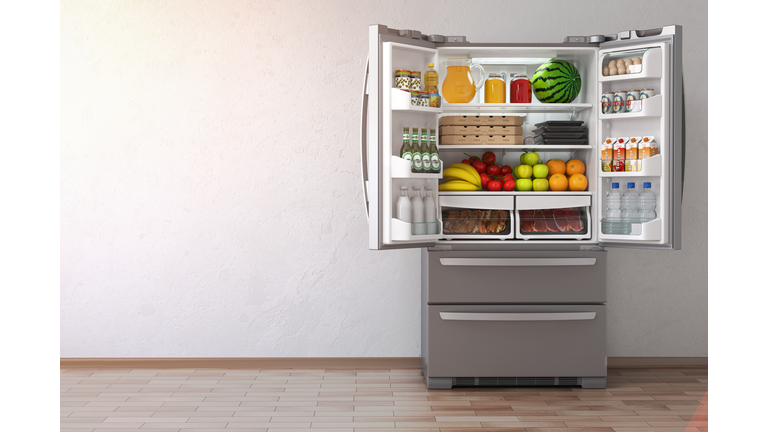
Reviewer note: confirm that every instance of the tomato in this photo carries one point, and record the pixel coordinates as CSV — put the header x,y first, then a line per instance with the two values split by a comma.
x,y
508,177
506,169
494,185
484,179
472,158
489,157
479,166
509,185
466,161
493,169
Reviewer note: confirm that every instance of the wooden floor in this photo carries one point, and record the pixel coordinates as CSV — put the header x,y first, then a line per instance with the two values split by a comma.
x,y
367,400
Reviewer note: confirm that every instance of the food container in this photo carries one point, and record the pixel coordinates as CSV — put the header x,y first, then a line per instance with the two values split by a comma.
x,y
619,102
470,222
607,102
415,100
415,80
435,101
403,79
564,223
646,93
633,103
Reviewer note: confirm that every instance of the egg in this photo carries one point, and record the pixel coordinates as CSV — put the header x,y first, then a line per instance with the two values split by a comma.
x,y
638,61
612,64
613,71
622,70
606,71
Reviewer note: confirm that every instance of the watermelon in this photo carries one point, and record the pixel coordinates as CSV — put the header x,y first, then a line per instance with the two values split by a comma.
x,y
556,81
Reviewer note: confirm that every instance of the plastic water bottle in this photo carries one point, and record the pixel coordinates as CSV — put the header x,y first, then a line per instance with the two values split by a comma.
x,y
647,203
629,206
612,223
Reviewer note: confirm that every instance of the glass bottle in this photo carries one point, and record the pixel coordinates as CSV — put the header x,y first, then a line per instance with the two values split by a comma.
x,y
416,165
426,160
434,154
404,205
405,150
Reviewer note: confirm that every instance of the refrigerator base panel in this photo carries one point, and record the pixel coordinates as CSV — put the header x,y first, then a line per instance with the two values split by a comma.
x,y
583,382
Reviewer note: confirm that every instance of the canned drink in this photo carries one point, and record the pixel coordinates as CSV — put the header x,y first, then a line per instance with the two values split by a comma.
x,y
646,93
415,80
620,102
403,79
607,102
633,103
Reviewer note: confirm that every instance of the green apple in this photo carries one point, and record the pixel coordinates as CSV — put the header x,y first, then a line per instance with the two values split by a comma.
x,y
514,172
540,184
524,171
540,171
530,158
524,184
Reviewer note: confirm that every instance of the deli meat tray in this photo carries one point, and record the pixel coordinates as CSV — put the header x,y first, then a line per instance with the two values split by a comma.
x,y
469,223
564,223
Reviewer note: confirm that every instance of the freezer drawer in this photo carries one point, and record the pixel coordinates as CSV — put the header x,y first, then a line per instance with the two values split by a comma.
x,y
564,341
514,277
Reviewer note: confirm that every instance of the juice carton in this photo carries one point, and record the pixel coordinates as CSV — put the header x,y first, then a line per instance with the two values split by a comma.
x,y
631,163
619,154
606,154
648,147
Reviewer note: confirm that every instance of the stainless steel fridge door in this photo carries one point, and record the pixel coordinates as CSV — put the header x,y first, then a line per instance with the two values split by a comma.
x,y
381,170
664,114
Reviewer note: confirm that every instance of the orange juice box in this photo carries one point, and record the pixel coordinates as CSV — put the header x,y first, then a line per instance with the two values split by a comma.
x,y
633,148
620,148
648,147
606,149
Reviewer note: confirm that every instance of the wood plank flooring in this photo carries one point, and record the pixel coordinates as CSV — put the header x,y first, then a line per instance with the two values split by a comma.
x,y
368,400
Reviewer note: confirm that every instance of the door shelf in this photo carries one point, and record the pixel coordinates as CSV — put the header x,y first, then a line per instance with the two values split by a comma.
x,y
401,168
651,108
518,108
649,167
648,231
402,231
651,66
401,101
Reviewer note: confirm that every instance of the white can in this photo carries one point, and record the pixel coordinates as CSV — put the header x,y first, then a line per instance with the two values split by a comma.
x,y
646,93
633,103
620,102
607,102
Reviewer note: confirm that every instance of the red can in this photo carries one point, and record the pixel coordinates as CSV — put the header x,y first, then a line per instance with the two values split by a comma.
x,y
520,89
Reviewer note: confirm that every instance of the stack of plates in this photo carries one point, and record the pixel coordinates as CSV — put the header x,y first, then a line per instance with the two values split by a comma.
x,y
561,133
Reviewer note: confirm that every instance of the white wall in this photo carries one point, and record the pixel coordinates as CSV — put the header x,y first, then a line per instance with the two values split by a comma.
x,y
210,185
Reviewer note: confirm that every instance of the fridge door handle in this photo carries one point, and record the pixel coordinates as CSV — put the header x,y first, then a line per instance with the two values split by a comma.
x,y
517,262
364,138
517,316
682,171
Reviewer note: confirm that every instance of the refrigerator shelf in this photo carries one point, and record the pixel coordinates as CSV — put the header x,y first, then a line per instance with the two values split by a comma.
x,y
517,108
514,193
649,167
651,108
401,168
651,66
401,101
541,147
648,231
402,231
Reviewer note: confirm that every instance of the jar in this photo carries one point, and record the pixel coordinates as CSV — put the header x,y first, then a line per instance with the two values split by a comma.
x,y
415,80
403,79
495,89
520,89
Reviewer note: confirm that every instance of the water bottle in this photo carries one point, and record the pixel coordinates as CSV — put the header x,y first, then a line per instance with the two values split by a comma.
x,y
404,209
629,206
612,223
647,203
418,227
430,211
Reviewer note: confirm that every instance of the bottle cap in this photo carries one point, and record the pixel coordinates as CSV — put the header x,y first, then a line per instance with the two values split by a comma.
x,y
615,185
431,65
647,184
631,185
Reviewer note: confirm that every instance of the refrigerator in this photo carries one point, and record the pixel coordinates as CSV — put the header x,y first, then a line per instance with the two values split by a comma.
x,y
522,306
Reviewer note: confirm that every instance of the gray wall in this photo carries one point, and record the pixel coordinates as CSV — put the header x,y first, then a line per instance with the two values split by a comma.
x,y
210,191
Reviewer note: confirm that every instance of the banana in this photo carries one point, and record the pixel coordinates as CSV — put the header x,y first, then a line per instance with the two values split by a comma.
x,y
461,174
468,168
458,185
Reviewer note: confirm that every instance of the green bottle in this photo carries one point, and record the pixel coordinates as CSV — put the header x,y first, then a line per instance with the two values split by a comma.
x,y
434,155
416,165
426,160
405,150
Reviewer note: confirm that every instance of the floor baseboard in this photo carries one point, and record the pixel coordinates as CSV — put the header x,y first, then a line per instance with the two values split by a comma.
x,y
329,362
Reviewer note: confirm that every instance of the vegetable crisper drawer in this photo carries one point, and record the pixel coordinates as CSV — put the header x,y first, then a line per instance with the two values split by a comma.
x,y
469,217
516,341
514,277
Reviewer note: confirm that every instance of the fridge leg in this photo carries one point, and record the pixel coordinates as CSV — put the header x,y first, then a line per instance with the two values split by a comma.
x,y
439,383
593,382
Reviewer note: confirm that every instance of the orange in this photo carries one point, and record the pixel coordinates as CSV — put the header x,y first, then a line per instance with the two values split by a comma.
x,y
556,166
577,182
574,166
558,182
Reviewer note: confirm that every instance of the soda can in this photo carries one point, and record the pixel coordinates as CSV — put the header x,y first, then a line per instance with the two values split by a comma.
x,y
607,102
633,103
620,102
646,93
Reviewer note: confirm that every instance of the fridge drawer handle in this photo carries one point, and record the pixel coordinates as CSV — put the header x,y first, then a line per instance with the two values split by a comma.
x,y
517,316
517,262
